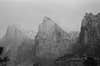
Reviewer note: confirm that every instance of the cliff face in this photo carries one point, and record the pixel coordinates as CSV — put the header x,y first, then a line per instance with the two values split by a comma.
x,y
19,47
90,34
88,41
25,52
52,41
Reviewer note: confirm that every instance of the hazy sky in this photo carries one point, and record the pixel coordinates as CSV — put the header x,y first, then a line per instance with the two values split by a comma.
x,y
29,13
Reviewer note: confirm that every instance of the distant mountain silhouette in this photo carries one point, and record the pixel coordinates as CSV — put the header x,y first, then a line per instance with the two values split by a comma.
x,y
13,36
12,40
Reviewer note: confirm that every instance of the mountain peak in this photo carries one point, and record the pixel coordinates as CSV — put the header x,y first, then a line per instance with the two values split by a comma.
x,y
50,38
46,19
13,31
12,27
48,28
46,25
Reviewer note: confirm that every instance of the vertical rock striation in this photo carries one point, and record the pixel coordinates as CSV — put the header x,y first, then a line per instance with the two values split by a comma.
x,y
51,40
90,34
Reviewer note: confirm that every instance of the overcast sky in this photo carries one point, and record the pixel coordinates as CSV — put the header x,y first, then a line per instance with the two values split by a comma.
x,y
29,13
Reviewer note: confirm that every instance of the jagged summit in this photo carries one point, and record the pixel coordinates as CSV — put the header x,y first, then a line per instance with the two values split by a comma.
x,y
91,18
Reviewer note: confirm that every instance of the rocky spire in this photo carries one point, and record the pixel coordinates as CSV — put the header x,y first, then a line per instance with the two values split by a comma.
x,y
90,33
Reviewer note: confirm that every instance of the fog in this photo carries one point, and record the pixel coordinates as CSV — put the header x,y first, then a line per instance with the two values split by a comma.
x,y
29,13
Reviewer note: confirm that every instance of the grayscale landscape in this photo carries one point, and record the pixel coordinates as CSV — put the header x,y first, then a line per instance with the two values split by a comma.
x,y
49,33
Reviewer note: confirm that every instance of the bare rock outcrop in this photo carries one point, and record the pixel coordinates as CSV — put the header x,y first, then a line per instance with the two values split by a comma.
x,y
89,38
51,40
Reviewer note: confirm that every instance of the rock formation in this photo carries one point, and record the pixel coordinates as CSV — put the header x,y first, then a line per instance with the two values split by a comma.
x,y
51,40
89,38
25,52
13,39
